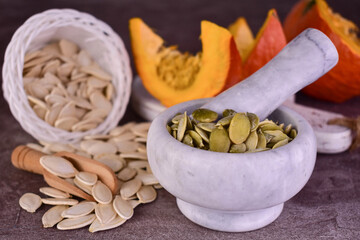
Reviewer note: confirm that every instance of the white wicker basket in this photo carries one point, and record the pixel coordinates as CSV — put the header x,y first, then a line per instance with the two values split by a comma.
x,y
91,34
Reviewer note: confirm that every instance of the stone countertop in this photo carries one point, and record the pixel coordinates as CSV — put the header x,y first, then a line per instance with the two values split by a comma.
x,y
328,207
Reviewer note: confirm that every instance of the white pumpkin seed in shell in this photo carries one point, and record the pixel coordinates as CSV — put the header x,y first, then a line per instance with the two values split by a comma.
x,y
101,193
68,48
66,123
53,192
98,226
53,113
96,72
147,178
35,146
97,137
129,188
75,223
40,112
126,174
134,155
138,164
59,201
81,209
142,148
86,188
126,136
98,100
58,166
101,147
30,202
86,178
58,147
105,213
157,186
140,139
118,131
113,161
123,208
53,216
127,146
134,203
146,194
86,144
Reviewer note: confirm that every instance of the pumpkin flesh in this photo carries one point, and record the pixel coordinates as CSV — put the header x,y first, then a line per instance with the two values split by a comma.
x,y
174,77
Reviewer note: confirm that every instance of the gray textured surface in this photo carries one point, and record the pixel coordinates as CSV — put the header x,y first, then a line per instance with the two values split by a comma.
x,y
327,208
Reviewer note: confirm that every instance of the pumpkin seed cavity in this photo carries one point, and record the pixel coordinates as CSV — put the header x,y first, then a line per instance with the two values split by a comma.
x,y
177,70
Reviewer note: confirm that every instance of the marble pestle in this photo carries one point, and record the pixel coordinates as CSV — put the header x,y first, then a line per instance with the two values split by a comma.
x,y
301,62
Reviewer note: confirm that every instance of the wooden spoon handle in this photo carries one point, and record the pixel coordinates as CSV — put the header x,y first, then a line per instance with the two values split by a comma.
x,y
28,159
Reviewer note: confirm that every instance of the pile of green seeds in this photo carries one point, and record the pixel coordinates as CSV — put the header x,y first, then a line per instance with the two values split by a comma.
x,y
233,133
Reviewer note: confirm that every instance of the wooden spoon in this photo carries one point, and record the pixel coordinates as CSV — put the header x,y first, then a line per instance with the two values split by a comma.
x,y
28,159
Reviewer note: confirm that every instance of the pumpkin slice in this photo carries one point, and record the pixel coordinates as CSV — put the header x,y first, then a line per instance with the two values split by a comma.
x,y
174,77
243,36
268,43
343,81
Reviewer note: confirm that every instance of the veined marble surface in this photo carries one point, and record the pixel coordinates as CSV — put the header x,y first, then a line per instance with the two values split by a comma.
x,y
225,184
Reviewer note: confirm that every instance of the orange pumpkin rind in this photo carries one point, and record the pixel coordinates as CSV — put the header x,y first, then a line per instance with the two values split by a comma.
x,y
343,81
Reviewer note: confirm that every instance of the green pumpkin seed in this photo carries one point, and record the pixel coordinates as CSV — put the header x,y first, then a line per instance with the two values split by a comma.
x,y
254,121
234,133
219,140
228,112
177,118
238,148
206,126
168,128
266,121
258,150
278,135
239,128
261,140
197,138
182,127
288,129
268,137
270,126
189,123
188,140
224,121
280,143
204,115
252,141
202,133
293,133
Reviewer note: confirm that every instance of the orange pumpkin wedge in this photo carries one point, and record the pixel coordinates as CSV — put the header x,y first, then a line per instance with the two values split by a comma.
x,y
243,36
174,77
268,42
343,81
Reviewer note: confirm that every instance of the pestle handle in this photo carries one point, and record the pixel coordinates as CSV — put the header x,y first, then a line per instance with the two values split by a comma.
x,y
302,61
28,159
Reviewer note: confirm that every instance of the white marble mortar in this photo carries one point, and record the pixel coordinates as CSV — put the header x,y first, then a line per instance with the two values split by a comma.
x,y
246,191
228,191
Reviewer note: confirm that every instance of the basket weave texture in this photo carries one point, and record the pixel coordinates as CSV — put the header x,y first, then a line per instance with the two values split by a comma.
x,y
90,34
